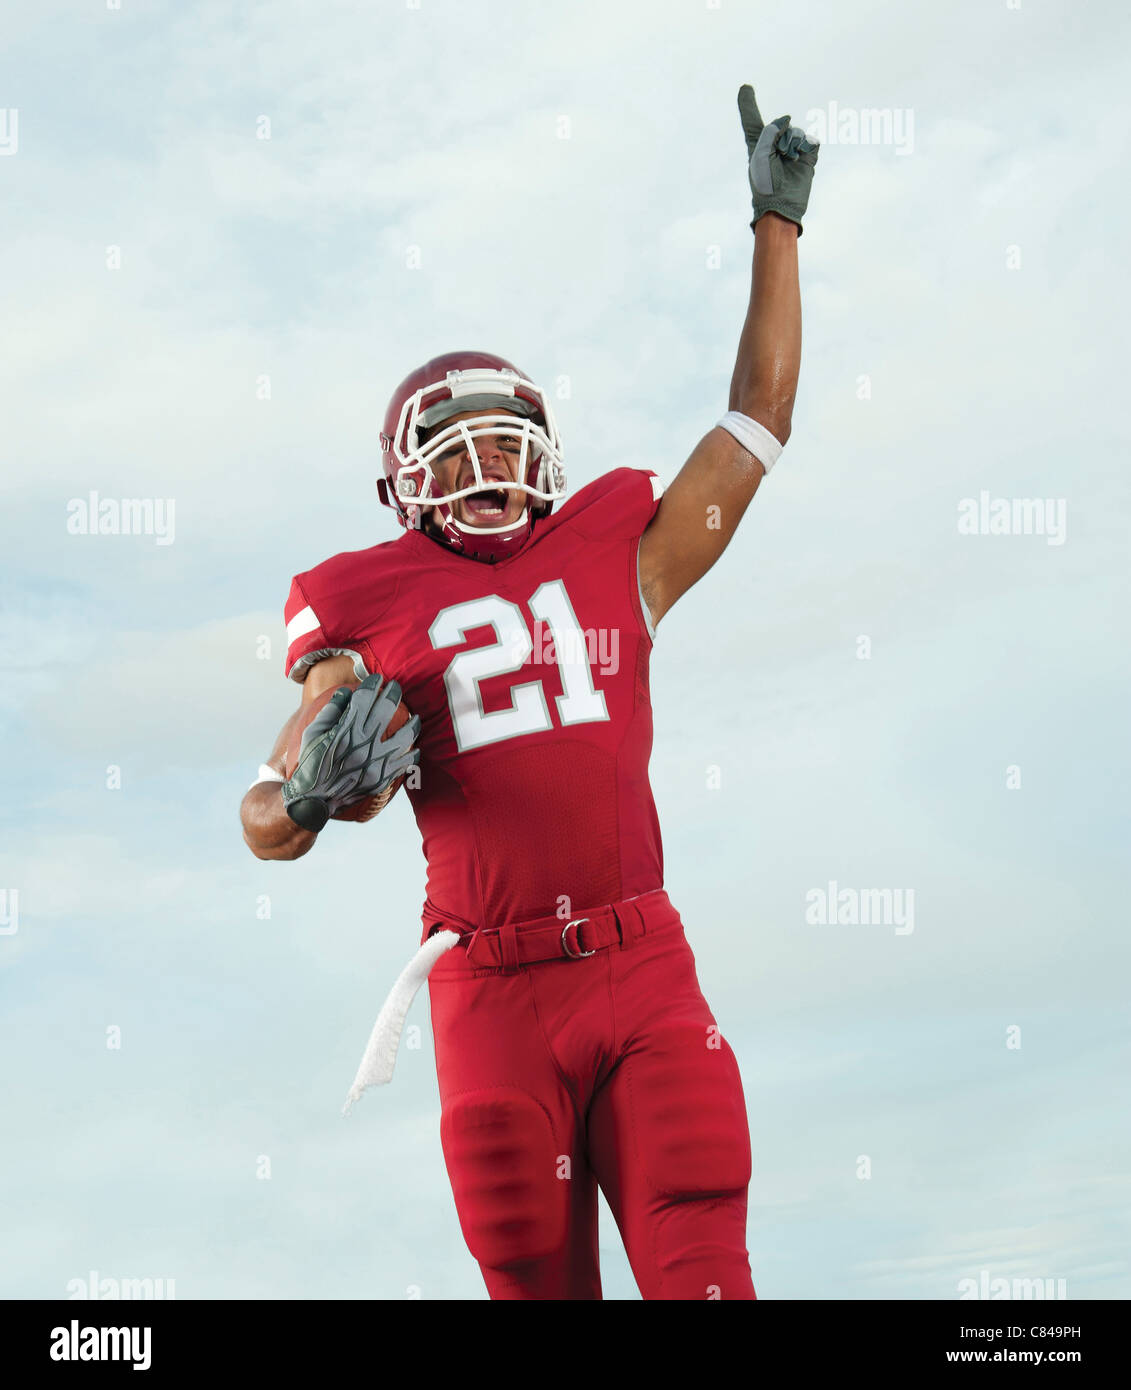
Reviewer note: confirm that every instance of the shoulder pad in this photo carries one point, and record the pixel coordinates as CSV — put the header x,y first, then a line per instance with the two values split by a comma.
x,y
620,503
326,606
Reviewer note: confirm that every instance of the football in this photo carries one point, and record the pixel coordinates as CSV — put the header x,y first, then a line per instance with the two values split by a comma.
x,y
361,810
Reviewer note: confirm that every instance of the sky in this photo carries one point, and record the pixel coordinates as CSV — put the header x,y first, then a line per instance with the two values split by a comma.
x,y
229,232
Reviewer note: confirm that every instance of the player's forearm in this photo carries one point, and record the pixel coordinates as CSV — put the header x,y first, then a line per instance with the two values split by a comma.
x,y
267,829
769,352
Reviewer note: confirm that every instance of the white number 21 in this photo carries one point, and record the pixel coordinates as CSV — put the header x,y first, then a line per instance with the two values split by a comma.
x,y
579,702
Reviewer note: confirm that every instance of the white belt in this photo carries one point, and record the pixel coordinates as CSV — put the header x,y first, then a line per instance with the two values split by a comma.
x,y
380,1057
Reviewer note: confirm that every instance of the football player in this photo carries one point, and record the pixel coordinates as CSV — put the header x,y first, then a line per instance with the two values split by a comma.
x,y
574,1047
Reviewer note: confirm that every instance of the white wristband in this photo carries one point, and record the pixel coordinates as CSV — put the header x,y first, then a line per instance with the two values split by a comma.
x,y
267,774
756,439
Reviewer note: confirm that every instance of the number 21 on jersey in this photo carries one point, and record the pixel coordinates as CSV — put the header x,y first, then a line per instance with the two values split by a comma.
x,y
529,713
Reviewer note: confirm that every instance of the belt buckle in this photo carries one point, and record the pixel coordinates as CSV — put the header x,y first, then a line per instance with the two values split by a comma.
x,y
574,955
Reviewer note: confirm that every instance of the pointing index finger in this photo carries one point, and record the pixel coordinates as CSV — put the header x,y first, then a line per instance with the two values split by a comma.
x,y
751,117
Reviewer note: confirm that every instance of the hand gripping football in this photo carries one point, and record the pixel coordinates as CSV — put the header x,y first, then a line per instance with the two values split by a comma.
x,y
368,807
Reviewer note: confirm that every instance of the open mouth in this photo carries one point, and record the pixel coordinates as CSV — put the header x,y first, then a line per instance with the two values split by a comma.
x,y
488,502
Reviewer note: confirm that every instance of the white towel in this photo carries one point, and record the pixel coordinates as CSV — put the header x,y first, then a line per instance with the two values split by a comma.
x,y
380,1057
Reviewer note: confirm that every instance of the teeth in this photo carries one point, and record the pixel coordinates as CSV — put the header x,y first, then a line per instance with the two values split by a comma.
x,y
489,503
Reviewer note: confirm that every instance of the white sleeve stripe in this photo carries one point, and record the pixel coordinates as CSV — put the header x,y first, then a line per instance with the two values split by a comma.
x,y
302,623
640,590
657,486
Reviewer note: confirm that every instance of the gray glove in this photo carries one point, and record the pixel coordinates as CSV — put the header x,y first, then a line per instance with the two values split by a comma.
x,y
782,158
343,758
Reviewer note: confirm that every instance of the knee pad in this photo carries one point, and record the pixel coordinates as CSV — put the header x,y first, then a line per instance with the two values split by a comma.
x,y
689,1114
502,1158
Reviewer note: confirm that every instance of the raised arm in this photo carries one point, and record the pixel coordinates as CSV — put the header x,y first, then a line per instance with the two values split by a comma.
x,y
701,509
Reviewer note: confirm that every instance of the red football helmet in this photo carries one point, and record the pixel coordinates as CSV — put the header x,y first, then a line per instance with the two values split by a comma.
x,y
450,385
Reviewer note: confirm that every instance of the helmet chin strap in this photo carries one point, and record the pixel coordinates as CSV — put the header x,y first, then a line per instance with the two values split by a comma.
x,y
430,521
481,542
465,529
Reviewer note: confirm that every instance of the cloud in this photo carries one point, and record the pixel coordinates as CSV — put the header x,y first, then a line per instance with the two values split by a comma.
x,y
239,362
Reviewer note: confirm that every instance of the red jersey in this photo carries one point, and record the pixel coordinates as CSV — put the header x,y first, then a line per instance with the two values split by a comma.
x,y
530,678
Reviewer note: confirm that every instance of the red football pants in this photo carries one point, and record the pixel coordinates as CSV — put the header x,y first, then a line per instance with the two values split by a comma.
x,y
560,1075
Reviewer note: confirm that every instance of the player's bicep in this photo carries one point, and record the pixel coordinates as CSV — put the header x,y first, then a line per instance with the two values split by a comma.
x,y
324,675
278,757
696,518
328,674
